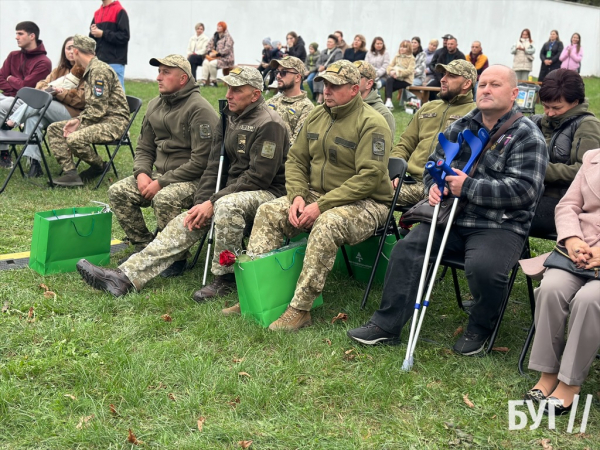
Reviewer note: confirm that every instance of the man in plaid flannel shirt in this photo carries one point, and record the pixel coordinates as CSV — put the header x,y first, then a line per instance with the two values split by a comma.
x,y
500,198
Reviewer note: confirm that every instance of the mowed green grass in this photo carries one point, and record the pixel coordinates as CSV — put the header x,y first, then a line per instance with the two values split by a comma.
x,y
80,369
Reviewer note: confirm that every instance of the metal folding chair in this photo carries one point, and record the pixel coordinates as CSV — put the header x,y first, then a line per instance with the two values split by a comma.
x,y
35,99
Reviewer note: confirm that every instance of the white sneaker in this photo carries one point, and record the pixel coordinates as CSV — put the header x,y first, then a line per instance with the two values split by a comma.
x,y
389,104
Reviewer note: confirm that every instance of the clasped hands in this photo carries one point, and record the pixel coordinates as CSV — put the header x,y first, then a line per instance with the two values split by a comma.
x,y
302,215
584,256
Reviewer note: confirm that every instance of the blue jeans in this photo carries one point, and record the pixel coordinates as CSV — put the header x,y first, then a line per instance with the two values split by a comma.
x,y
309,81
120,70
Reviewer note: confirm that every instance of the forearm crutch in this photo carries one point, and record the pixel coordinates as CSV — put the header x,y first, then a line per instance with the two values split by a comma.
x,y
477,145
222,104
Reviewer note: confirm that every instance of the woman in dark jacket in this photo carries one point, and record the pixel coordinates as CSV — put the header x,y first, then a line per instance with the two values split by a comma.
x,y
550,55
296,46
358,51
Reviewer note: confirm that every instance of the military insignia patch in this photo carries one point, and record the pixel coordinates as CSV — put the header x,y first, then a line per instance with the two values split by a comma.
x,y
272,106
333,155
378,145
427,116
241,145
292,111
205,131
249,128
335,68
268,149
98,88
312,136
236,70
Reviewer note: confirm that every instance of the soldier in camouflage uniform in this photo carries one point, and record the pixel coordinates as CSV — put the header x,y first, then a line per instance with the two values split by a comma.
x,y
369,93
175,139
291,103
256,145
342,196
104,118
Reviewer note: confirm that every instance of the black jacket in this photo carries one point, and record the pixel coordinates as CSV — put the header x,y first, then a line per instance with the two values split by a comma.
x,y
441,56
113,20
298,50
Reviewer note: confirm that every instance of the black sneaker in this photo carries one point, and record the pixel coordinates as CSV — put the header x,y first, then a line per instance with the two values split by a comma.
x,y
174,270
5,159
470,343
35,169
371,334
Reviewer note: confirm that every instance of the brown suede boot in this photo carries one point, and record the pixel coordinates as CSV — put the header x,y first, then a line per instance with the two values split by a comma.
x,y
220,286
292,320
232,310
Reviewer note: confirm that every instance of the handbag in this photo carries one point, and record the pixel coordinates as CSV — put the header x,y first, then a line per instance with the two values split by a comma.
x,y
62,237
559,259
423,211
267,283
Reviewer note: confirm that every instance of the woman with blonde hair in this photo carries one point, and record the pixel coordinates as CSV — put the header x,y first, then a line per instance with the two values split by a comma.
x,y
358,51
401,72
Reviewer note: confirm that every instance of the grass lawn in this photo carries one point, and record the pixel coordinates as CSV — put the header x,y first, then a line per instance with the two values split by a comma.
x,y
80,369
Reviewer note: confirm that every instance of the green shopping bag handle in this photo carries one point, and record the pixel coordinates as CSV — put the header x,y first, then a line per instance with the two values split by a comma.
x,y
75,226
293,260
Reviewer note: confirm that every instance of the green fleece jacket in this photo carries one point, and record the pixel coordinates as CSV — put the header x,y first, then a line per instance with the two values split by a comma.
x,y
587,137
421,136
375,102
341,153
176,136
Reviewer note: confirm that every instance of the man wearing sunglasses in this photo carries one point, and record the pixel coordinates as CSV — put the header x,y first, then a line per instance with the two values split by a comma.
x,y
290,103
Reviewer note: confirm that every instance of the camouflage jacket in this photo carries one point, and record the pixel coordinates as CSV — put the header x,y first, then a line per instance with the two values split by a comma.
x,y
293,111
176,136
342,153
105,100
256,147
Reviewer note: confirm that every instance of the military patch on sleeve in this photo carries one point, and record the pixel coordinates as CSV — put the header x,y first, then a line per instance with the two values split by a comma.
x,y
268,149
98,88
378,144
272,106
241,145
205,131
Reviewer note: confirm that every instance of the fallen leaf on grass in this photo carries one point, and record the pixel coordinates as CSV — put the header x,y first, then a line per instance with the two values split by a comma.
x,y
83,422
113,410
545,443
166,318
160,386
201,421
30,313
44,287
132,439
245,444
341,316
328,341
6,306
49,294
349,355
233,403
244,374
500,349
238,360
171,396
71,396
458,331
468,402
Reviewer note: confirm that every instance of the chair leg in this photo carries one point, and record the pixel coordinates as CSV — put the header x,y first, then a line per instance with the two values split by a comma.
x,y
374,270
112,159
456,288
111,163
347,261
511,282
525,348
191,265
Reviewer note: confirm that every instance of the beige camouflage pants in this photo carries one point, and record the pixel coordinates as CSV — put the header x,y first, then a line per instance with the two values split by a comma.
x,y
231,213
127,202
78,143
348,224
411,194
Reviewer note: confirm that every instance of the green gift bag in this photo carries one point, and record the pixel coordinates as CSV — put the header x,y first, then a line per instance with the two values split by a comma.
x,y
362,258
266,284
61,237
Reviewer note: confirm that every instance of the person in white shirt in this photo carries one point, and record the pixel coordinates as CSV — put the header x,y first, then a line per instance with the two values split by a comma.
x,y
197,48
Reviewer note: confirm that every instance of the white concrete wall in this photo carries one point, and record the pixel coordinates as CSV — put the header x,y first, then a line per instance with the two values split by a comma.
x,y
162,27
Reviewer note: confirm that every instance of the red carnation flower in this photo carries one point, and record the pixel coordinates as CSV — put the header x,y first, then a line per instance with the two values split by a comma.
x,y
226,258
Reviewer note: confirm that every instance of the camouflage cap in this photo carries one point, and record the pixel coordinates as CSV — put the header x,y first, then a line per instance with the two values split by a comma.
x,y
289,62
174,61
239,76
459,67
366,70
340,72
85,43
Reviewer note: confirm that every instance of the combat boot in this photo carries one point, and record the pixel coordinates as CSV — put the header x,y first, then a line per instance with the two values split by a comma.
x,y
232,310
70,179
221,285
109,280
93,171
292,320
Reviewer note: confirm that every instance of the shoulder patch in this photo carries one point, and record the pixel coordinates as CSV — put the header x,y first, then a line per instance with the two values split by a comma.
x,y
292,111
378,145
205,131
250,128
98,88
272,106
268,149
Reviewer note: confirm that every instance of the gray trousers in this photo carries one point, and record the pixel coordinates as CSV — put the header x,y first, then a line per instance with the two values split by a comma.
x,y
560,294
56,112
5,103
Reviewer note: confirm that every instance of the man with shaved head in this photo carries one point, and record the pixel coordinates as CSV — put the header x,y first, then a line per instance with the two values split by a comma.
x,y
499,199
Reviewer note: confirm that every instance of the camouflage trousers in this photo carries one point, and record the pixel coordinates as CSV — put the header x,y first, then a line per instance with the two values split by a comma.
x,y
349,224
127,202
231,214
78,143
411,194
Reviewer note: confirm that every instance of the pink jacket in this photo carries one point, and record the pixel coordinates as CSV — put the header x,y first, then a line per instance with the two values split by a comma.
x,y
578,212
571,61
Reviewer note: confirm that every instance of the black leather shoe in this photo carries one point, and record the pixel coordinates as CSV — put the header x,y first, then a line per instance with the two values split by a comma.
x,y
174,270
220,286
35,169
559,409
109,280
93,171
535,395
